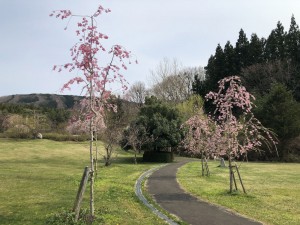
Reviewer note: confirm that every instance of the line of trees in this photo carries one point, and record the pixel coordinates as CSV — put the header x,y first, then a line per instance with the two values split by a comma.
x,y
272,59
270,70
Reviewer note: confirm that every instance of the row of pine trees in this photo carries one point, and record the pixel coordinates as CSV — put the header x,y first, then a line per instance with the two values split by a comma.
x,y
281,45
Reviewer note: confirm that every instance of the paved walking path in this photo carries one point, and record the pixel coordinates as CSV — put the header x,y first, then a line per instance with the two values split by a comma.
x,y
162,185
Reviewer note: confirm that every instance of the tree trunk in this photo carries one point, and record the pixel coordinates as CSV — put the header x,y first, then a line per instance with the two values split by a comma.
x,y
92,210
107,158
135,161
96,155
135,151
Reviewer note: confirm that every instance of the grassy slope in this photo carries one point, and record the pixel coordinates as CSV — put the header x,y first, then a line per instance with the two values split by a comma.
x,y
39,177
273,190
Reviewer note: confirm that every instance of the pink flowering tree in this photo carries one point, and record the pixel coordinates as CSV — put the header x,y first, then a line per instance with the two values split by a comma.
x,y
199,138
239,132
94,79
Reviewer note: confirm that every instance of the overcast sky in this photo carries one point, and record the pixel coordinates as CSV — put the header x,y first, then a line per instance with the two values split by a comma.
x,y
31,42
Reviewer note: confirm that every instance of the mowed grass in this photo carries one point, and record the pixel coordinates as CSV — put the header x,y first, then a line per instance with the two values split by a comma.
x,y
273,190
40,177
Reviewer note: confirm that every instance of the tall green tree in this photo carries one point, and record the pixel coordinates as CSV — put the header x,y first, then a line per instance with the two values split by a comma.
x,y
241,51
275,44
215,69
256,50
293,41
279,111
229,57
293,55
199,86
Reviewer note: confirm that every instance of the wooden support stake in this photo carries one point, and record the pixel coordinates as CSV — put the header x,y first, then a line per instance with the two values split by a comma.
x,y
234,180
230,177
81,190
240,179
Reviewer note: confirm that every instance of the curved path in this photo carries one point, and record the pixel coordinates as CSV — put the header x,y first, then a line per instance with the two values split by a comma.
x,y
162,185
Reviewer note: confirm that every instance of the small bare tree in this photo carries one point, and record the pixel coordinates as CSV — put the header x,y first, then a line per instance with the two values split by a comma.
x,y
111,136
135,138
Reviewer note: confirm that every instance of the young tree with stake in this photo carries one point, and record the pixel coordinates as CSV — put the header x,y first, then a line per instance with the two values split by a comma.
x,y
238,134
200,138
95,79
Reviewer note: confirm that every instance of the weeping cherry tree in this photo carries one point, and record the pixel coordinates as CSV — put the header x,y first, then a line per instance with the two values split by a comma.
x,y
95,79
238,132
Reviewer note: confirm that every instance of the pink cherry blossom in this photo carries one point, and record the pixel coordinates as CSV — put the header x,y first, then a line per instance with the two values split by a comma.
x,y
85,55
244,133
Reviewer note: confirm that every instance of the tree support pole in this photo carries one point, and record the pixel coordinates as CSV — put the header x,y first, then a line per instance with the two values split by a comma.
x,y
233,177
240,178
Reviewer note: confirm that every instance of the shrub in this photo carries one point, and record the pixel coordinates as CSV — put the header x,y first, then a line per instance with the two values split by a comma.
x,y
64,137
160,124
19,131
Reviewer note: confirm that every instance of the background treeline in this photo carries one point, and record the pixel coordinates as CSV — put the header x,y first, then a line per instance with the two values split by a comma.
x,y
24,116
259,61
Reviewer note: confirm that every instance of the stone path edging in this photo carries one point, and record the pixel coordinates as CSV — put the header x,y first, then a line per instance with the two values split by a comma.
x,y
139,194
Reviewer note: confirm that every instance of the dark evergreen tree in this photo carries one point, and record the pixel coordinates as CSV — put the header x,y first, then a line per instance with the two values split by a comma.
x,y
275,44
199,86
256,50
215,69
293,57
293,42
279,111
241,51
229,57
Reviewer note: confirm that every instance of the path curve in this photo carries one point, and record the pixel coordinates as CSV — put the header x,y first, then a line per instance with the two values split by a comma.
x,y
163,186
139,194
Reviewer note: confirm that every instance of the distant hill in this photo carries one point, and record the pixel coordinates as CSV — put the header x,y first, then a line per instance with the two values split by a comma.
x,y
42,100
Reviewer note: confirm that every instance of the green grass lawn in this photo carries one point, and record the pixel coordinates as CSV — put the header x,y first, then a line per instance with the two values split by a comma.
x,y
273,190
40,177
